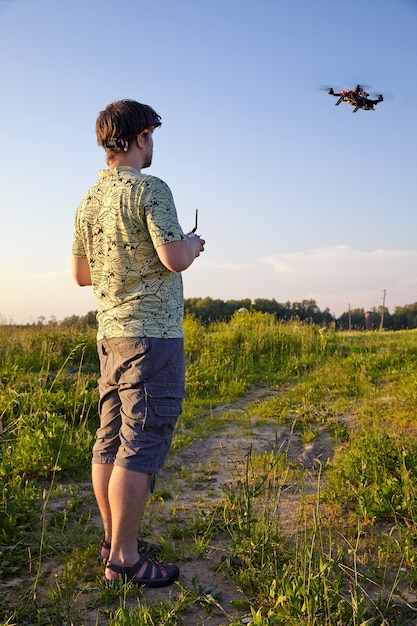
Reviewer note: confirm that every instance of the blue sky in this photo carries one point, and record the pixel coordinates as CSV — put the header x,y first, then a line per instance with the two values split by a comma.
x,y
297,198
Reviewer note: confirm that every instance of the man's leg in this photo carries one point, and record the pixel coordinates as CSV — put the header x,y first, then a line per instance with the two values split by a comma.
x,y
100,474
128,492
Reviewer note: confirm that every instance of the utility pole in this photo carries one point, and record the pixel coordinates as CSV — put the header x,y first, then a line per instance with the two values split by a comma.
x,y
350,317
381,325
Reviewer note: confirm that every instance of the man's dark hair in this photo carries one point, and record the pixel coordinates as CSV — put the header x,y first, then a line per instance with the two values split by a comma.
x,y
122,121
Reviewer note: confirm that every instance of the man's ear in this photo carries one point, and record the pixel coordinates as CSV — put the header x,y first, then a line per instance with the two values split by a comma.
x,y
141,140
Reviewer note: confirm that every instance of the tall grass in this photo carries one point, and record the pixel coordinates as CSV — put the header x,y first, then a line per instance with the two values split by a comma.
x,y
350,556
226,359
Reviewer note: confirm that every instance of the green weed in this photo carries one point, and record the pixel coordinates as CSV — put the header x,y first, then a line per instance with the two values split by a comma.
x,y
376,476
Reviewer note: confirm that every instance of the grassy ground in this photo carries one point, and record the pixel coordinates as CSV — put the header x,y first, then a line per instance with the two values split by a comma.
x,y
289,496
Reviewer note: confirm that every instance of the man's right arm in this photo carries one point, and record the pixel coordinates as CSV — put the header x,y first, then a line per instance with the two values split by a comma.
x,y
81,271
178,255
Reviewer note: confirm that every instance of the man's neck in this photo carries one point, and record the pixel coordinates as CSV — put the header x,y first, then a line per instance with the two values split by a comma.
x,y
126,160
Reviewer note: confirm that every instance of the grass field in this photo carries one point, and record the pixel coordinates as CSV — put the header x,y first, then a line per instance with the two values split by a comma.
x,y
289,496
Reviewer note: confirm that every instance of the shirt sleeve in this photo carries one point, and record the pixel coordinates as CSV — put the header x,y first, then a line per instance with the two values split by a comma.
x,y
78,248
160,213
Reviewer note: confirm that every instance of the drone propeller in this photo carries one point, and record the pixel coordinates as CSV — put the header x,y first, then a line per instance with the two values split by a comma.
x,y
386,95
372,95
346,87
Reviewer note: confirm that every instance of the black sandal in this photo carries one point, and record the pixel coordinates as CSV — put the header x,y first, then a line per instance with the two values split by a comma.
x,y
155,574
144,547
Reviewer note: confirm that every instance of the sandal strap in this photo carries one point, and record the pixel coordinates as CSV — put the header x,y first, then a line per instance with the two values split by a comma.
x,y
148,548
116,568
144,547
155,574
151,568
129,572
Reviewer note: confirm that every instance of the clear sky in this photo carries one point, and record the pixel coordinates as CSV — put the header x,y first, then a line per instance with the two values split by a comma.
x,y
297,198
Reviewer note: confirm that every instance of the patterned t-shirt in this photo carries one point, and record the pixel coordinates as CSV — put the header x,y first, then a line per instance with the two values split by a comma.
x,y
120,222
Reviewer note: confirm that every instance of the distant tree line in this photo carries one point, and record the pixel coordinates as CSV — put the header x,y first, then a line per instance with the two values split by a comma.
x,y
404,317
208,310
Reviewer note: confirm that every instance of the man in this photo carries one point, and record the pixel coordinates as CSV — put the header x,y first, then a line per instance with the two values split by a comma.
x,y
129,246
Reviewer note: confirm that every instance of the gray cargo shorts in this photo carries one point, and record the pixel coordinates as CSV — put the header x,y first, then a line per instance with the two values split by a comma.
x,y
141,388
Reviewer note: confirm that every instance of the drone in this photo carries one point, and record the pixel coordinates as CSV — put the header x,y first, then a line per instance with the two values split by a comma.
x,y
357,97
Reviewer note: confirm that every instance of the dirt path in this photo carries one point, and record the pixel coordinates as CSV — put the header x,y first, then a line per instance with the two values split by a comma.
x,y
212,463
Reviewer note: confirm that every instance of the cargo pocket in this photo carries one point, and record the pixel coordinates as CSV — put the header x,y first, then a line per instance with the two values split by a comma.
x,y
163,403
